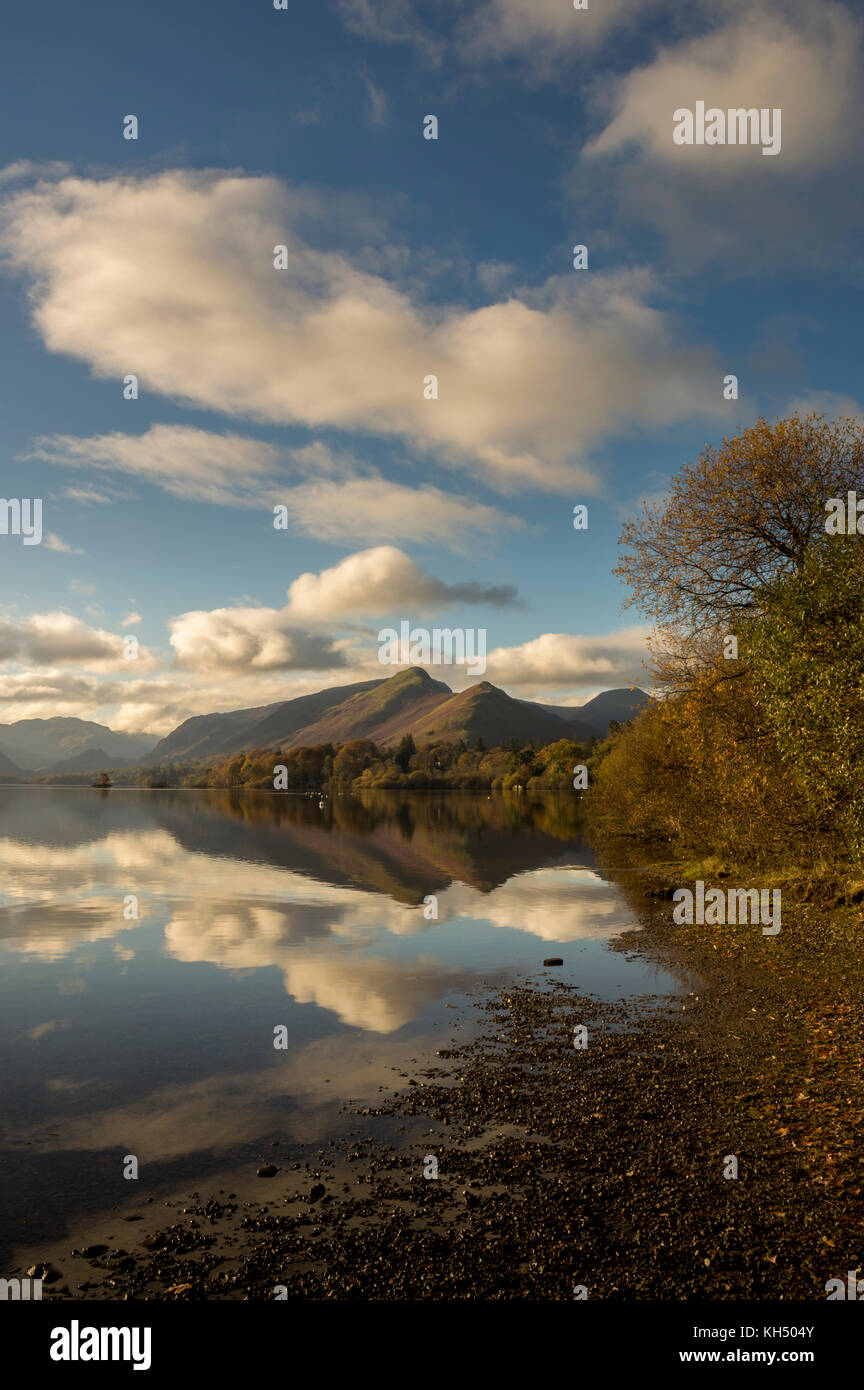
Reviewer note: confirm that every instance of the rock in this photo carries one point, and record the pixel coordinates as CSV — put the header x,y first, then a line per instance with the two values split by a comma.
x,y
553,960
268,1171
92,1252
45,1272
318,1191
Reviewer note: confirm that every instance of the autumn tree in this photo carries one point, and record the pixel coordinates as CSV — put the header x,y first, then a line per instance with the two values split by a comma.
x,y
806,659
737,519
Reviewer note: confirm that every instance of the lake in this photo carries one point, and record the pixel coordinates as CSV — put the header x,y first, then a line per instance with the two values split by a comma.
x,y
153,1035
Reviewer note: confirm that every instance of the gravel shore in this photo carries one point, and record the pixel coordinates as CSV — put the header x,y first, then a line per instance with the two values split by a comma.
x,y
563,1169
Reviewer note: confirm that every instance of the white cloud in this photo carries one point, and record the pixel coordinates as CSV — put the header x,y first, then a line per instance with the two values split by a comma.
x,y
392,21
811,72
557,660
379,581
249,639
188,462
543,30
370,583
833,404
52,542
131,619
51,638
376,103
374,509
175,273
335,502
86,494
537,32
730,201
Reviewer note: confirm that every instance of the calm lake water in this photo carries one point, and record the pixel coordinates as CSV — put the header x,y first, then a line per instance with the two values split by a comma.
x,y
154,1036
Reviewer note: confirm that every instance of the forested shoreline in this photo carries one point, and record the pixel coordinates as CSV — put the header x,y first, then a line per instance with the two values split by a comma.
x,y
753,755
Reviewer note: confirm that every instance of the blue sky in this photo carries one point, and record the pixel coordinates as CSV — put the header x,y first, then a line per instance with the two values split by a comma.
x,y
407,256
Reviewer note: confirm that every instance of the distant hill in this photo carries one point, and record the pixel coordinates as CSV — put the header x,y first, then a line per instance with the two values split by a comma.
x,y
597,714
262,726
10,769
37,745
91,760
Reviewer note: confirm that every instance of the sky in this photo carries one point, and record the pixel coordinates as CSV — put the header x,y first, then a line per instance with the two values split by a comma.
x,y
305,387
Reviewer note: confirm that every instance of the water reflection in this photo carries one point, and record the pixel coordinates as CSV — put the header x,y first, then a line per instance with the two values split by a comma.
x,y
153,1034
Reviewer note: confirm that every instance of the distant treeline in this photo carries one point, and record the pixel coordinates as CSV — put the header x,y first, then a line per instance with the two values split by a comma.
x,y
360,765
755,754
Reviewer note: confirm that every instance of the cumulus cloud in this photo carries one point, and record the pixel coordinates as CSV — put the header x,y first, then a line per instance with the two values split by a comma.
x,y
253,639
730,200
335,501
175,273
556,660
59,638
379,581
372,582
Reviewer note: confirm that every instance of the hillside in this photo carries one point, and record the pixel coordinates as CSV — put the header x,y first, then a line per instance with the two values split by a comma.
x,y
484,711
10,769
410,702
384,713
208,735
596,715
39,744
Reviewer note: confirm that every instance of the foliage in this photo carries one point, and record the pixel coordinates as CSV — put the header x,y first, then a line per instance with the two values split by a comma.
x,y
754,755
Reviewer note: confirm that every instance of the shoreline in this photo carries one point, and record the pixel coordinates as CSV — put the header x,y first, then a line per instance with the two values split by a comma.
x,y
560,1169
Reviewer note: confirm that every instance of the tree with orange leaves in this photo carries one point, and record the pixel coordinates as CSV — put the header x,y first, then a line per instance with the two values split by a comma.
x,y
738,518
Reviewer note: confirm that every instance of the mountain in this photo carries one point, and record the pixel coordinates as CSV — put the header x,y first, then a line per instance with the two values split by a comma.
x,y
484,711
596,715
10,769
384,713
410,702
38,744
262,726
91,760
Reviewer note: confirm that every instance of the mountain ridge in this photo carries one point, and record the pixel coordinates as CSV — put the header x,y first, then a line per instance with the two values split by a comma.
x,y
384,711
